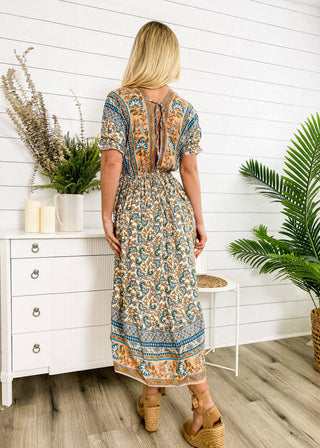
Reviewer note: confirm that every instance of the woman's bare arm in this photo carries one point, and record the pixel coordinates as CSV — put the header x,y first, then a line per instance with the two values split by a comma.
x,y
111,166
191,183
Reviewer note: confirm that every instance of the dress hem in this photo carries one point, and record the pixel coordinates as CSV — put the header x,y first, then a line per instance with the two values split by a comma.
x,y
162,384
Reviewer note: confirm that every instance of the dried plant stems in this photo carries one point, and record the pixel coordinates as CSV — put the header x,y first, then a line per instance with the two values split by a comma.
x,y
78,104
31,119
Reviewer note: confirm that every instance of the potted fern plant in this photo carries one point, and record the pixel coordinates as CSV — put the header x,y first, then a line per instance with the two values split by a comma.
x,y
74,176
296,256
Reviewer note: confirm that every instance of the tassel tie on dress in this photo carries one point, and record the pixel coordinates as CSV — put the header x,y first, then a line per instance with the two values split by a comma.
x,y
158,109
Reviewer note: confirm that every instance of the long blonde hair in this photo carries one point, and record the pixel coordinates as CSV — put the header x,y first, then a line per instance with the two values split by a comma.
x,y
155,57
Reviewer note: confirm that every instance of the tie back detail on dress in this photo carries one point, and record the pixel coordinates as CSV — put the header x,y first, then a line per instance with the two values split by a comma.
x,y
129,126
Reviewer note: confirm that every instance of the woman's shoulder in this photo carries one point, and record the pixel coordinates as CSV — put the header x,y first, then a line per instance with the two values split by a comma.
x,y
121,96
115,93
189,111
123,92
186,106
118,98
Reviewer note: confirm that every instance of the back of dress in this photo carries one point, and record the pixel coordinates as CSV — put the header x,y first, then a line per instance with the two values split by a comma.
x,y
157,328
132,125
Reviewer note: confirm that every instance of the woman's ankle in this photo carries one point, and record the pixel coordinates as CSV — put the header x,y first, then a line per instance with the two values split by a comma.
x,y
150,390
206,403
198,418
198,389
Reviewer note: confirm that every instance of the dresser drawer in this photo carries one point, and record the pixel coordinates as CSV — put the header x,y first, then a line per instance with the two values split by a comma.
x,y
61,274
59,247
31,313
81,345
30,277
81,309
59,311
31,350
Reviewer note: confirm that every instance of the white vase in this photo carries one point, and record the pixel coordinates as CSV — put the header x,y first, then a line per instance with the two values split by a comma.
x,y
70,214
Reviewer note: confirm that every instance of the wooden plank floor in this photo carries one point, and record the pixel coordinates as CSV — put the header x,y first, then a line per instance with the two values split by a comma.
x,y
273,403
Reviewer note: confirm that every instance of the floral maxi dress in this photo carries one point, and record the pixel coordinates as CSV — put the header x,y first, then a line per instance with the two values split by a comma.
x,y
157,327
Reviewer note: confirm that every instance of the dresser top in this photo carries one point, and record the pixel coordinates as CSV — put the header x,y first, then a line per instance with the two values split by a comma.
x,y
21,234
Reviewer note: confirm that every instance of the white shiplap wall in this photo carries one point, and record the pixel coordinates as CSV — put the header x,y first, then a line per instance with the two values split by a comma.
x,y
251,68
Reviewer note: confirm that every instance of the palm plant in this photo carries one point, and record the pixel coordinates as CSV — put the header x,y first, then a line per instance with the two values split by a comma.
x,y
76,173
296,256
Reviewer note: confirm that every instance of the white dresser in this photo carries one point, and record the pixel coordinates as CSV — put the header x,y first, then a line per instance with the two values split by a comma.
x,y
56,292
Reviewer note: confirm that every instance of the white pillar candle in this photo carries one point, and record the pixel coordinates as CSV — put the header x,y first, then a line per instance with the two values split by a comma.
x,y
32,216
48,219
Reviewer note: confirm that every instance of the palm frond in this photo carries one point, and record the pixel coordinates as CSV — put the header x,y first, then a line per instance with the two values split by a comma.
x,y
302,273
266,181
261,232
301,186
257,252
274,256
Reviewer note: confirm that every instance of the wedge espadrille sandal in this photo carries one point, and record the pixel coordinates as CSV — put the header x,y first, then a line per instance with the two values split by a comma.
x,y
211,434
149,410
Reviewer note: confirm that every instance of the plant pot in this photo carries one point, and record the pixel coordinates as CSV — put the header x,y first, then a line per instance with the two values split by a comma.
x,y
70,216
315,321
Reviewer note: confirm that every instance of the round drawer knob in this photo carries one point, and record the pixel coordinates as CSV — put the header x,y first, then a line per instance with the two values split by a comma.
x,y
35,247
36,348
35,273
36,311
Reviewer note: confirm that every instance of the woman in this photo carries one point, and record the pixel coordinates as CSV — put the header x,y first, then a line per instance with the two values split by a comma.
x,y
157,328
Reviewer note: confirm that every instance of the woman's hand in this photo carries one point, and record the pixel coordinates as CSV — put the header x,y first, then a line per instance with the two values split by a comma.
x,y
202,239
112,240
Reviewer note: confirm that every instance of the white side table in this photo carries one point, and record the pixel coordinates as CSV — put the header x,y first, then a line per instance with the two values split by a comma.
x,y
201,268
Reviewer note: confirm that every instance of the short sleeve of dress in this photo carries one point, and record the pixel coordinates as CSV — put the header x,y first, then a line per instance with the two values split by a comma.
x,y
113,127
193,134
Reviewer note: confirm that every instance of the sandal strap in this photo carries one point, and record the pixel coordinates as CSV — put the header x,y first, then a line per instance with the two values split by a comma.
x,y
198,396
211,415
152,400
162,390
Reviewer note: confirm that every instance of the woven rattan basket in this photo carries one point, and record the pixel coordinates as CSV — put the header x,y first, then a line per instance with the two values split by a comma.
x,y
210,281
315,320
